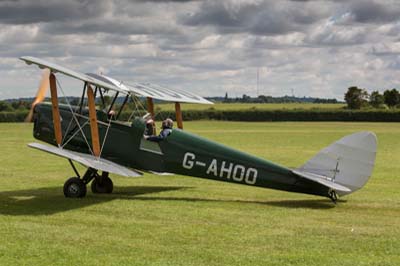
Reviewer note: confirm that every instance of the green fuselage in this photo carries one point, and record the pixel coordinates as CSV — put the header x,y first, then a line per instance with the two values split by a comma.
x,y
180,153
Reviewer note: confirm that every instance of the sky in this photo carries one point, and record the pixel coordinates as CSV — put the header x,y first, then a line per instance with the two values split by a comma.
x,y
308,48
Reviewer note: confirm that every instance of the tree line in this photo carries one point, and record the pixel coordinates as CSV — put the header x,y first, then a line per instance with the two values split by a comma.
x,y
271,99
20,105
358,98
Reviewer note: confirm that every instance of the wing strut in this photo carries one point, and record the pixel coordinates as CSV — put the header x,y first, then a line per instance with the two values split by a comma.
x,y
150,109
178,115
93,122
55,109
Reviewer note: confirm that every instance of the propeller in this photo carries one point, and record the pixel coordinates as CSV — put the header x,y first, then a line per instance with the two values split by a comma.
x,y
41,93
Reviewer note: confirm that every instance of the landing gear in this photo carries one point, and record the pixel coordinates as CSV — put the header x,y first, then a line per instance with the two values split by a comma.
x,y
333,196
75,187
102,184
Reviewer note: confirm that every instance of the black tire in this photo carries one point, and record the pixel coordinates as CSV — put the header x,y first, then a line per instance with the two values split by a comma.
x,y
102,185
74,188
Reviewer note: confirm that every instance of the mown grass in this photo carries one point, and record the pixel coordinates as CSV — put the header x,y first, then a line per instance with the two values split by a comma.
x,y
176,220
247,106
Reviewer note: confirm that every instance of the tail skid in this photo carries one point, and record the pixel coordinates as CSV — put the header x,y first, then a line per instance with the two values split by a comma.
x,y
345,166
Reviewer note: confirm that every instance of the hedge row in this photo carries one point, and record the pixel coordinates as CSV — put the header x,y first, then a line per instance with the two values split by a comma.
x,y
18,116
296,115
259,115
285,115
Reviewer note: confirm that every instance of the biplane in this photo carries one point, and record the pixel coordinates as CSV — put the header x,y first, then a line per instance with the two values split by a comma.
x,y
97,139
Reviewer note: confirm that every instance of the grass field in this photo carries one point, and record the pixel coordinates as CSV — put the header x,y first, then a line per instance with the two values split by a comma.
x,y
176,220
246,106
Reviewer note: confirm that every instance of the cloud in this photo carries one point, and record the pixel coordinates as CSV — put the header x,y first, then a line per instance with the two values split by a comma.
x,y
374,11
332,34
26,12
120,26
385,49
318,48
255,17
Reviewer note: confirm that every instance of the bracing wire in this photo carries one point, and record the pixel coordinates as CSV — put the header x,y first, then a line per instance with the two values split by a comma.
x,y
105,137
138,107
74,116
73,135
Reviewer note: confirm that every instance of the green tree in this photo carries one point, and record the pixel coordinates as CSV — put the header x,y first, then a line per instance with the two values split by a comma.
x,y
391,97
376,99
5,106
20,105
226,98
356,97
246,98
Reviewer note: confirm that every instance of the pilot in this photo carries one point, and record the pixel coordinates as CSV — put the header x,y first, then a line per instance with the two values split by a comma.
x,y
167,125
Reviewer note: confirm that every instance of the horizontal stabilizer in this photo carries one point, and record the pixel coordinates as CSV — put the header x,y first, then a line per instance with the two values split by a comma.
x,y
87,160
322,180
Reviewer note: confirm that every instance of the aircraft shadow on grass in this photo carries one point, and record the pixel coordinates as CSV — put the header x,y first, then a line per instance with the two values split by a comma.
x,y
50,200
291,204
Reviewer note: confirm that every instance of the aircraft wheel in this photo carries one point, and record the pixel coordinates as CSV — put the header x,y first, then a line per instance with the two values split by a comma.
x,y
102,185
74,188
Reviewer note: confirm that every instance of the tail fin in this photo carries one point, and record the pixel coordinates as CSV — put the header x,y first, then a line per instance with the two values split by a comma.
x,y
347,163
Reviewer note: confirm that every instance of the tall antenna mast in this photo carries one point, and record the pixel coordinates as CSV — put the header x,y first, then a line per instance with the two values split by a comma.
x,y
258,78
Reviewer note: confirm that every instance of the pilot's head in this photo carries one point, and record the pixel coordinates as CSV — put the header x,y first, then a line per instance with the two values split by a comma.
x,y
167,123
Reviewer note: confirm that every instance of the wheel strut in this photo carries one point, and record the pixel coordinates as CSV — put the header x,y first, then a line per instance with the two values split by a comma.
x,y
333,196
89,175
74,168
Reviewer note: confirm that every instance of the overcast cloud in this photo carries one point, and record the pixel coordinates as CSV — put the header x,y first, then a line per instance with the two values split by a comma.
x,y
316,48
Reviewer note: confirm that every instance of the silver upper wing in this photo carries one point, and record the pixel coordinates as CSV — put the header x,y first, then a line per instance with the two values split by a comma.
x,y
139,89
154,91
71,73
